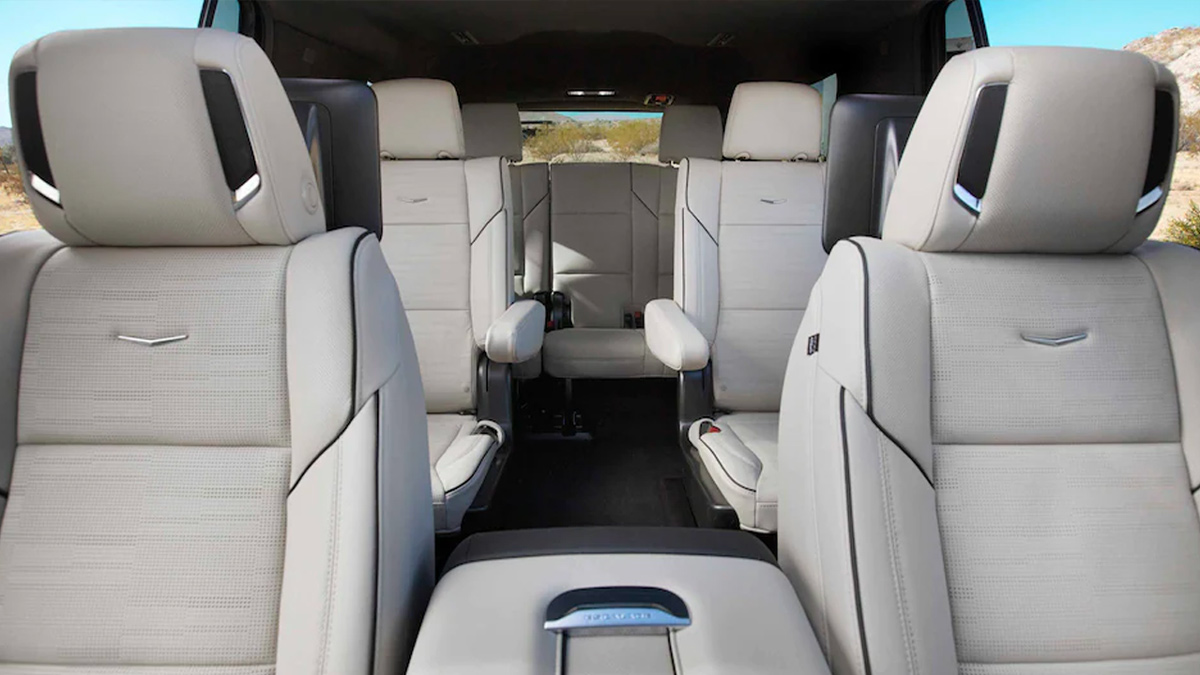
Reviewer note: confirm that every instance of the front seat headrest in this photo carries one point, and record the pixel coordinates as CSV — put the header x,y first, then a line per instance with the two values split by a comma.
x,y
160,137
492,130
773,121
690,131
1038,150
419,119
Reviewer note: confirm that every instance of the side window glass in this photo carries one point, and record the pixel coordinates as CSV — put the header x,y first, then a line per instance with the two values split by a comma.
x,y
828,89
959,36
228,15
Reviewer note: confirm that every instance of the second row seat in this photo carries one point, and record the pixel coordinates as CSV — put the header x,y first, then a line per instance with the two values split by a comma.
x,y
748,252
446,240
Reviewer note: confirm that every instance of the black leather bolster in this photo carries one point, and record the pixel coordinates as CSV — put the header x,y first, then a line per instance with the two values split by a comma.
x,y
608,540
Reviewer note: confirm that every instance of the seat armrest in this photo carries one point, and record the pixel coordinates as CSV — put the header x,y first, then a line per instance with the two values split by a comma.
x,y
672,337
517,335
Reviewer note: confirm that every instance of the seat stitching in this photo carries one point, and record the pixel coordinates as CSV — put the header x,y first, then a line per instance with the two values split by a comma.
x,y
880,429
867,392
331,566
862,630
810,428
353,366
885,471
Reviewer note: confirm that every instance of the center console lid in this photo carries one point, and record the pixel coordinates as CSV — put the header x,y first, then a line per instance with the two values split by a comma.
x,y
607,600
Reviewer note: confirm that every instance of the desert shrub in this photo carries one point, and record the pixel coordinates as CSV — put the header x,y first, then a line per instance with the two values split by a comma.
x,y
594,131
10,176
1185,229
553,140
1189,132
633,137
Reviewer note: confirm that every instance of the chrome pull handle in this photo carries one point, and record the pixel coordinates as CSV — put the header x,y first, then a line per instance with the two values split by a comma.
x,y
617,610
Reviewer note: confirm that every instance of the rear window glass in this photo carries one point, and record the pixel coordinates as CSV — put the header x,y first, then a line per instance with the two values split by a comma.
x,y
572,136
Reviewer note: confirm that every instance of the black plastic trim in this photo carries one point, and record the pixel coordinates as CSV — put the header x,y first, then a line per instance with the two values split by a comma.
x,y
1162,142
709,507
608,540
862,626
348,133
978,27
867,137
693,399
229,127
29,127
979,150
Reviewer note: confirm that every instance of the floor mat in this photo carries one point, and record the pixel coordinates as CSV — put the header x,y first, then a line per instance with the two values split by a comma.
x,y
630,472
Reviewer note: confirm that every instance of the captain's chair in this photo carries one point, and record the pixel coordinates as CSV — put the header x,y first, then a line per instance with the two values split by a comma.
x,y
989,437
211,407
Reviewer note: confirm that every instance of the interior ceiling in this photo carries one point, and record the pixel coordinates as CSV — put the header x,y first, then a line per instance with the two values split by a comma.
x,y
684,22
534,49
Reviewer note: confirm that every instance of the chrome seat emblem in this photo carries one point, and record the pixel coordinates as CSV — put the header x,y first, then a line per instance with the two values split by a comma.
x,y
1054,341
766,200
414,200
152,342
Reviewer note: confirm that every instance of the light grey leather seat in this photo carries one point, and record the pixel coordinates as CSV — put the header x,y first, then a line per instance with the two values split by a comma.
x,y
989,441
611,231
446,240
747,252
494,130
210,407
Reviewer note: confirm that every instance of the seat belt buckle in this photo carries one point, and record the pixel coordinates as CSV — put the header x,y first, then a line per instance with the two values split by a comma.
x,y
558,309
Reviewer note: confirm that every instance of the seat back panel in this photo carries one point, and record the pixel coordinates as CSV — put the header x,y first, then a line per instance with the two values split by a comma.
x,y
770,256
1071,552
992,385
1060,476
668,176
182,564
534,185
225,384
428,249
591,226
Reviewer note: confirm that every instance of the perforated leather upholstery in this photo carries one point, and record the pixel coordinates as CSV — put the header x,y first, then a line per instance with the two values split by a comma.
x,y
958,494
446,240
747,252
251,495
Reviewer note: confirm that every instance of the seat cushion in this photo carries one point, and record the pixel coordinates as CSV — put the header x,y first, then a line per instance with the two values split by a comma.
x,y
742,460
458,461
600,353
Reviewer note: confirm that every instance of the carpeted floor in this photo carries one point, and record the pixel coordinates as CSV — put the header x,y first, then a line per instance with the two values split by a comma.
x,y
630,472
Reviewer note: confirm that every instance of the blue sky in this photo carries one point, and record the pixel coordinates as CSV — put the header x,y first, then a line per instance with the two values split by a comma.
x,y
1108,24
589,116
23,21
1090,23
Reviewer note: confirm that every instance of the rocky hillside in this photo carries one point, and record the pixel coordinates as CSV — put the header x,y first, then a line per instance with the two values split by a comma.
x,y
1179,50
5,136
